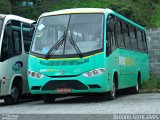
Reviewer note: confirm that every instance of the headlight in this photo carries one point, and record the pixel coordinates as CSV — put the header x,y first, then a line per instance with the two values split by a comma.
x,y
35,74
94,72
29,72
39,75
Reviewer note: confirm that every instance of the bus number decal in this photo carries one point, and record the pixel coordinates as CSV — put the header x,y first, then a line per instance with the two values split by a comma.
x,y
122,60
126,61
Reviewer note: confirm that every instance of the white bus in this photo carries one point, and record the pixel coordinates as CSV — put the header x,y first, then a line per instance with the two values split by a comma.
x,y
15,39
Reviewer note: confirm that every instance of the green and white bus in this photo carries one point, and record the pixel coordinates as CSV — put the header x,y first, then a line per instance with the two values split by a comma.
x,y
86,50
15,39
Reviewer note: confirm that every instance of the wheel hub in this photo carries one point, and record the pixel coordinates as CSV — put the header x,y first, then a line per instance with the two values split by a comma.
x,y
14,93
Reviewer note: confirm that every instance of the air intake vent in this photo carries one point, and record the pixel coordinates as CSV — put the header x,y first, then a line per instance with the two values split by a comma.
x,y
64,62
36,87
94,86
57,84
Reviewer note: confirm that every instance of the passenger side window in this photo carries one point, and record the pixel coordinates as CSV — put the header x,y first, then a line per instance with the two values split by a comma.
x,y
7,46
17,41
140,41
134,43
11,44
119,34
111,41
145,42
27,36
126,36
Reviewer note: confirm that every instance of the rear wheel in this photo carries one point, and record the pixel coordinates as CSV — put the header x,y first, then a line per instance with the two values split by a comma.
x,y
48,98
13,98
136,88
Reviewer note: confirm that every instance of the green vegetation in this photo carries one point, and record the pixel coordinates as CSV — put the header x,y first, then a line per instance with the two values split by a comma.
x,y
5,6
146,12
156,16
152,84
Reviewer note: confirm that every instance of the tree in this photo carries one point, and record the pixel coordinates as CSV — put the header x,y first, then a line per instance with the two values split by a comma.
x,y
5,7
140,11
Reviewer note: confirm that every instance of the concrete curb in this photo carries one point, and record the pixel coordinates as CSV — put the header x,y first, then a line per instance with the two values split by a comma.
x,y
150,91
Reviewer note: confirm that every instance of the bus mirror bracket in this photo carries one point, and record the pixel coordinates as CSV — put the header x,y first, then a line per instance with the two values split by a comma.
x,y
33,26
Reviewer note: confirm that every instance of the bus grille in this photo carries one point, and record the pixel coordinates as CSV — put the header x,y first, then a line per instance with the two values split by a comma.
x,y
60,84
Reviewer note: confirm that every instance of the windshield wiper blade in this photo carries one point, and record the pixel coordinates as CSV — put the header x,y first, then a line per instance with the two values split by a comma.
x,y
76,47
55,46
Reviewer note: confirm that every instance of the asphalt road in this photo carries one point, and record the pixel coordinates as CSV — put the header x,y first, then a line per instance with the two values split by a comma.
x,y
123,104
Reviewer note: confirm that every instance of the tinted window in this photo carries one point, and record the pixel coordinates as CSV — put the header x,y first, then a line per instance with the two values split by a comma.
x,y
17,39
1,24
27,36
145,42
111,41
126,36
11,45
7,46
140,41
119,34
133,38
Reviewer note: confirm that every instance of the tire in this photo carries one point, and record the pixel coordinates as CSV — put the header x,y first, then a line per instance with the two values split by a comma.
x,y
48,98
13,98
111,95
135,90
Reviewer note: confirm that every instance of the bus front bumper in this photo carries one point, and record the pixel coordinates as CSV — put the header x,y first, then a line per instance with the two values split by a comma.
x,y
79,84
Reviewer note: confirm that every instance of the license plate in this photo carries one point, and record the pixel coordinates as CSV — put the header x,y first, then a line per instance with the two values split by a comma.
x,y
64,90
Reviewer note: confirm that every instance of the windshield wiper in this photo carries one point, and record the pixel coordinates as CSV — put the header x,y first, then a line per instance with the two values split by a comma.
x,y
75,46
61,41
56,46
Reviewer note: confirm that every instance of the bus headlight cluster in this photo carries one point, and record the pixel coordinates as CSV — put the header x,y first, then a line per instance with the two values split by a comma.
x,y
35,74
94,72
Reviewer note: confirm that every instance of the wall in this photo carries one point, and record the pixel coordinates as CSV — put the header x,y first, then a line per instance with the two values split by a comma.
x,y
153,39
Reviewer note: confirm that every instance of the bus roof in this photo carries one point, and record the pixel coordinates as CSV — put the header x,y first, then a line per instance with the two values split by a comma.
x,y
90,10
15,17
75,10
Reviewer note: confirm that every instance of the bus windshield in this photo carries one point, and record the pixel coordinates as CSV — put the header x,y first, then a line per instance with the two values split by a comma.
x,y
84,30
1,25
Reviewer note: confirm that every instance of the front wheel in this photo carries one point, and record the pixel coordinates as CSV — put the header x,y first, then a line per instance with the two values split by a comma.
x,y
48,98
111,95
13,98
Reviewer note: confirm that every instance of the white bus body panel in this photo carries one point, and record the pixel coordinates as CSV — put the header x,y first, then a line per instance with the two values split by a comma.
x,y
7,74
